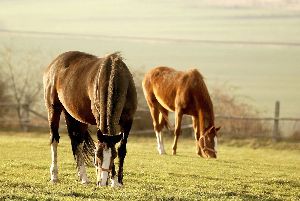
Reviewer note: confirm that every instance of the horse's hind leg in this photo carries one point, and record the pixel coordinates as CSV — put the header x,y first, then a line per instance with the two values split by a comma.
x,y
159,114
54,111
76,131
163,114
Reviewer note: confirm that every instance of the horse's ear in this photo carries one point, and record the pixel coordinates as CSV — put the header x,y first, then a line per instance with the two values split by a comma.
x,y
210,129
218,128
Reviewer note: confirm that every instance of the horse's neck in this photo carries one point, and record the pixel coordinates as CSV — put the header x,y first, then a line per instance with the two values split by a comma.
x,y
207,119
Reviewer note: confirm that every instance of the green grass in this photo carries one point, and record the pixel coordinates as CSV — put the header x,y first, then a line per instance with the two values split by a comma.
x,y
239,173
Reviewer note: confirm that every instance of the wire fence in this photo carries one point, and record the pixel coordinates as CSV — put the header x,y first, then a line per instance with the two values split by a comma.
x,y
25,118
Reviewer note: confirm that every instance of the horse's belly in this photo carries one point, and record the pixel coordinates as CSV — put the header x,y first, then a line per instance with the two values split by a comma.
x,y
86,117
79,109
165,105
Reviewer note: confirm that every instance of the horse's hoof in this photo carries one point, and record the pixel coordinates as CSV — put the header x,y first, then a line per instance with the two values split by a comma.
x,y
162,152
54,181
116,185
85,182
173,153
100,185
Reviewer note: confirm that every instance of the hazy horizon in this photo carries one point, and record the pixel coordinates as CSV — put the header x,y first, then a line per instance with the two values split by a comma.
x,y
255,48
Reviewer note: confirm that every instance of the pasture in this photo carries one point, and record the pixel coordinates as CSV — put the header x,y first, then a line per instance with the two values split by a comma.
x,y
239,173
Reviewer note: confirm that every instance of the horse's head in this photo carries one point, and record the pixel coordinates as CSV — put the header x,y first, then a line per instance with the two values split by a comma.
x,y
105,153
208,143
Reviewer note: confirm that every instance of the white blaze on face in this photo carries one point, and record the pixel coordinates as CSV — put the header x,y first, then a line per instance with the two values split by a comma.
x,y
216,143
105,165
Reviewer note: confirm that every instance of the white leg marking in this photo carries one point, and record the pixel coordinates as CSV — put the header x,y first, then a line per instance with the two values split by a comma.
x,y
160,143
216,143
81,167
53,167
105,165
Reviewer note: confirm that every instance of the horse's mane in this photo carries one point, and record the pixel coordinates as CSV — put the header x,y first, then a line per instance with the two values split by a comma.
x,y
206,99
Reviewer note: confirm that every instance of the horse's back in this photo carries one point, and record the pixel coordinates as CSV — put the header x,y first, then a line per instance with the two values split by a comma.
x,y
65,61
172,88
68,80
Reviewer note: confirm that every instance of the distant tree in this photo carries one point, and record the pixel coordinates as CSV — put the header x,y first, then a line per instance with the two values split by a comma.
x,y
228,103
3,90
4,97
21,83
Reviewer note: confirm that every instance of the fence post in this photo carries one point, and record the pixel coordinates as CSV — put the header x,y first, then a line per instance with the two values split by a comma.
x,y
276,135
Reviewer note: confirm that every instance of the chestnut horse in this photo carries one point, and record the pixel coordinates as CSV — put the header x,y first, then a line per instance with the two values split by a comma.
x,y
165,90
96,91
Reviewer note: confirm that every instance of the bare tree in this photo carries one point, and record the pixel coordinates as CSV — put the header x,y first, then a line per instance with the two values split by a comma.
x,y
4,97
3,90
228,103
21,78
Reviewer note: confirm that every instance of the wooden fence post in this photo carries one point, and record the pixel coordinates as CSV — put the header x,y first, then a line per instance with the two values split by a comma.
x,y
276,135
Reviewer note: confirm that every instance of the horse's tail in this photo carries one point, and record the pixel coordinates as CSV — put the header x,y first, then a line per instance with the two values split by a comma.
x,y
87,151
112,93
169,126
83,145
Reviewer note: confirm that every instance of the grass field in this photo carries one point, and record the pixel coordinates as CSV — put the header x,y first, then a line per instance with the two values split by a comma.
x,y
239,173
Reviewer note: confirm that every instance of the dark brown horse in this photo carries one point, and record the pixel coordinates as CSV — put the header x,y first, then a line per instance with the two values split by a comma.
x,y
167,90
91,90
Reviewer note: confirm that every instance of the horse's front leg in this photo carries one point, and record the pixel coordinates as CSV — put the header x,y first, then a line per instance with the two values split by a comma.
x,y
121,155
114,179
197,133
178,119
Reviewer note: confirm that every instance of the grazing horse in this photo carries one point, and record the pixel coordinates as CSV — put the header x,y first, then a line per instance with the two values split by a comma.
x,y
165,90
96,91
